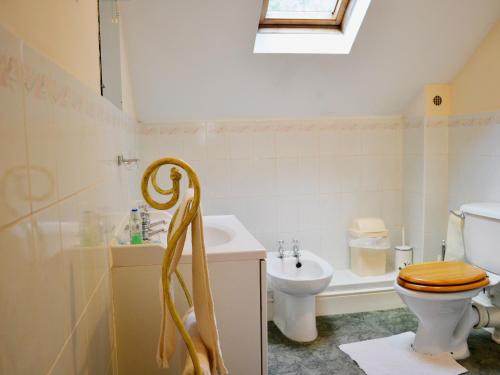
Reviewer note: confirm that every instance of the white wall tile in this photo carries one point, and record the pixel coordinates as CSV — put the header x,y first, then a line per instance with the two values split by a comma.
x,y
288,215
18,346
217,145
217,178
15,201
264,144
69,137
436,140
242,179
330,143
265,213
330,211
74,356
287,181
264,177
350,141
193,146
373,170
330,175
287,144
351,173
308,143
297,180
375,142
309,213
307,176
240,145
41,130
392,207
473,164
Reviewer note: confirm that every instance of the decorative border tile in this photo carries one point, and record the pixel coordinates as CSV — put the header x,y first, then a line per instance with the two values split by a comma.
x,y
477,119
434,122
42,86
274,125
472,120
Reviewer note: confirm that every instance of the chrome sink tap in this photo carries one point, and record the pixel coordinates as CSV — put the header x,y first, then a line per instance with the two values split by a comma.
x,y
296,252
281,249
153,232
147,225
146,221
156,223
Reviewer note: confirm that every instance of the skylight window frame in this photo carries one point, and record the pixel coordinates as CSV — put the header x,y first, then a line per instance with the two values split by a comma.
x,y
324,20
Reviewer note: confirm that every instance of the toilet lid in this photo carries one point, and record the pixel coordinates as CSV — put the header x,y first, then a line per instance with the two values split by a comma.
x,y
443,289
442,277
442,273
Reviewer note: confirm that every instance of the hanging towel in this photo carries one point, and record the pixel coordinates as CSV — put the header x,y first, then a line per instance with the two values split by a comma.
x,y
201,350
202,298
454,239
204,314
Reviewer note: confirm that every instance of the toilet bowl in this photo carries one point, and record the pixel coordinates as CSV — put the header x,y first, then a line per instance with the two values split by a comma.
x,y
294,290
440,295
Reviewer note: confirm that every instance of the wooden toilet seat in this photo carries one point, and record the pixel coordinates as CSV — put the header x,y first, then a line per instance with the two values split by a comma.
x,y
442,277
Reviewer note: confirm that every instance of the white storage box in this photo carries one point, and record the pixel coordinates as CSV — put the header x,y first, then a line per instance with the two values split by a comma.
x,y
370,246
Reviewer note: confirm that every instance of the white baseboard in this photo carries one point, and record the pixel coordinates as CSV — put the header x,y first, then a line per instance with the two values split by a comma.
x,y
331,303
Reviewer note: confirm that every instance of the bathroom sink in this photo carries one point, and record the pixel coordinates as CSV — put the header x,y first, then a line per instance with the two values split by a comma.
x,y
225,239
214,235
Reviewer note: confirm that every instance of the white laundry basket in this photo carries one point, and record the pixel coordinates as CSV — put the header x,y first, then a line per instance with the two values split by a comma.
x,y
370,245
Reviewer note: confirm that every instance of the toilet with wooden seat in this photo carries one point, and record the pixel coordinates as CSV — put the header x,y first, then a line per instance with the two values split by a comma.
x,y
440,293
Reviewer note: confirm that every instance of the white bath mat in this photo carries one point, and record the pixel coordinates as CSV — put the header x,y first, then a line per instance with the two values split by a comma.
x,y
394,355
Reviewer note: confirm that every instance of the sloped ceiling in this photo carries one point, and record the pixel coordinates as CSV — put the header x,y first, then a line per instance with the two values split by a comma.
x,y
193,60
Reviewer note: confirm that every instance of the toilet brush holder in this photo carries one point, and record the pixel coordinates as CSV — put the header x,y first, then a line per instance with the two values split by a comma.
x,y
403,257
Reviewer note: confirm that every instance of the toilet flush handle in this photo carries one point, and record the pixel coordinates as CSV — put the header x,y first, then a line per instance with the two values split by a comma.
x,y
443,250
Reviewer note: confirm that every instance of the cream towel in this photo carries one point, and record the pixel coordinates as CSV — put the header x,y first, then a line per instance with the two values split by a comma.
x,y
454,239
202,299
201,349
204,314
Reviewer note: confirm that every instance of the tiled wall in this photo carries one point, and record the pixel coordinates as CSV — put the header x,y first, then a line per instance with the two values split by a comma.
x,y
448,161
61,192
413,187
474,158
304,179
425,191
435,186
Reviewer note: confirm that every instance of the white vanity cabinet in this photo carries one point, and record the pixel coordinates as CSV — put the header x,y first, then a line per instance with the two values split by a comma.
x,y
238,279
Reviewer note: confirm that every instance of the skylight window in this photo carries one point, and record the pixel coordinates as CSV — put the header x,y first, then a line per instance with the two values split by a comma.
x,y
309,26
303,13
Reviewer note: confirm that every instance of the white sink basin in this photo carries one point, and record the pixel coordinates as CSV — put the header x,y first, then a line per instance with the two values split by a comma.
x,y
225,239
213,235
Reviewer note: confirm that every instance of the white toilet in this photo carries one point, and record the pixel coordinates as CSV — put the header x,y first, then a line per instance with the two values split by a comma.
x,y
440,293
294,291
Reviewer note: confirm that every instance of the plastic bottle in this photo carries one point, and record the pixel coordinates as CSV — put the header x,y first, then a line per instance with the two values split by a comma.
x,y
135,227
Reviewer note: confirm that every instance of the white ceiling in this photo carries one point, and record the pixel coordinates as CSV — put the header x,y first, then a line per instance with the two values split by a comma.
x,y
193,60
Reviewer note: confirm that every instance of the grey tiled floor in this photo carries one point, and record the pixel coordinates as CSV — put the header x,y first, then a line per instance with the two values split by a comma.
x,y
323,357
